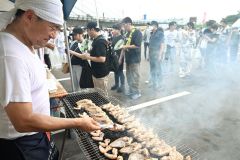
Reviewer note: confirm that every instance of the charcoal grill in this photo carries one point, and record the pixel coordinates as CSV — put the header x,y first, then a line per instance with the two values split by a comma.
x,y
89,146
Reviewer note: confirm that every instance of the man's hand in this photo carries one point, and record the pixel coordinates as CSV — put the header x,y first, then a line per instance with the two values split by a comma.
x,y
85,56
73,53
50,46
125,47
87,124
76,54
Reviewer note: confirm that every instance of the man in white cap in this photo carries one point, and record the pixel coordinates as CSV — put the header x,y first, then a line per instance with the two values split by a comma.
x,y
24,99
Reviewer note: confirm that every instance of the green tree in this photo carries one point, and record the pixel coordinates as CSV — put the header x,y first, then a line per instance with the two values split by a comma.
x,y
232,18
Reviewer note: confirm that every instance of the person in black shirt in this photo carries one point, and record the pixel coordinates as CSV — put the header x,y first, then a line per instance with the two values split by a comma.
x,y
97,56
132,52
212,37
117,43
156,53
77,63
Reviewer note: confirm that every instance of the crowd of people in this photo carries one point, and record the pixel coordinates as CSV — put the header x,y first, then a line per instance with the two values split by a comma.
x,y
169,51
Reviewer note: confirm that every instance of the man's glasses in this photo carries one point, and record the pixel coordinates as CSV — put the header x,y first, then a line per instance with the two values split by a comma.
x,y
55,28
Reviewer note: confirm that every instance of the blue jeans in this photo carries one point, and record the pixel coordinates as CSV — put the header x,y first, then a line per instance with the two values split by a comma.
x,y
170,58
155,70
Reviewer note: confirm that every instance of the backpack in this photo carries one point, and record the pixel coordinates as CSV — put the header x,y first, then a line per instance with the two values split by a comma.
x,y
111,57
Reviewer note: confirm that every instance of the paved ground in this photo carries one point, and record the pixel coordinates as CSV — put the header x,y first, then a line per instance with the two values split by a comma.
x,y
207,120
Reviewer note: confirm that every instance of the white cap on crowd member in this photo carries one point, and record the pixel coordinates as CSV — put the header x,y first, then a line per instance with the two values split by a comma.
x,y
49,10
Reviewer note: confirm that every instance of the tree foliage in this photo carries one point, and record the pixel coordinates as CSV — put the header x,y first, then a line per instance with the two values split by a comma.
x,y
232,18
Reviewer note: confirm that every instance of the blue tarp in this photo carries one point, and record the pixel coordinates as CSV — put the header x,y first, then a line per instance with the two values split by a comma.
x,y
67,7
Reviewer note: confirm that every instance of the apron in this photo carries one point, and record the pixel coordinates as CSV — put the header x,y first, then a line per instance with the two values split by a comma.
x,y
33,147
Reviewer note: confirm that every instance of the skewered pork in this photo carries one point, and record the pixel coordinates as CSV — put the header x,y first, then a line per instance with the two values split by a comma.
x,y
99,138
110,156
105,143
113,155
162,150
123,119
119,158
173,155
131,148
145,152
96,133
132,124
115,151
154,143
136,156
121,142
104,150
107,106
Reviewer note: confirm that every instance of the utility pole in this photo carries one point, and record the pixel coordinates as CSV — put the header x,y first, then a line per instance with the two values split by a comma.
x,y
96,13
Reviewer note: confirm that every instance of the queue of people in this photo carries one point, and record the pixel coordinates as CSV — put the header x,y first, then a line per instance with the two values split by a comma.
x,y
169,51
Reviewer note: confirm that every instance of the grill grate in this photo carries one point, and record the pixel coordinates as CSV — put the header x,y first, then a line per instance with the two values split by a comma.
x,y
89,146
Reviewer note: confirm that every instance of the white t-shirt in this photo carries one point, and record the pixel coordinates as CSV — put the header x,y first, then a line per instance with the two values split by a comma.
x,y
22,79
147,35
171,37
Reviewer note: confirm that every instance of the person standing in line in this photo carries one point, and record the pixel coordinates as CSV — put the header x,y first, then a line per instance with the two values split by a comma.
x,y
212,38
156,47
60,44
97,56
132,52
146,38
48,49
234,42
171,40
77,63
24,98
117,43
222,45
188,42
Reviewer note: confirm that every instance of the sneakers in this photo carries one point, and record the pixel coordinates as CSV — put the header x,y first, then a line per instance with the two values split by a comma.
x,y
128,93
114,87
135,96
120,89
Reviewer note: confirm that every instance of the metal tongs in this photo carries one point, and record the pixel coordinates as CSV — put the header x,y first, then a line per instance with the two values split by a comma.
x,y
106,126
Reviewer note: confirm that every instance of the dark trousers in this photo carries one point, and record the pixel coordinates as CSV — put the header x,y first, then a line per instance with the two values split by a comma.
x,y
33,147
119,75
47,61
146,45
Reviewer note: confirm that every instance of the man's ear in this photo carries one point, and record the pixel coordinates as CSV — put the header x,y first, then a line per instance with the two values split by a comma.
x,y
29,16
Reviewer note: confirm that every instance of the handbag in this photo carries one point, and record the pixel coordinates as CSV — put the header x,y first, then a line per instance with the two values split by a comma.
x,y
65,68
